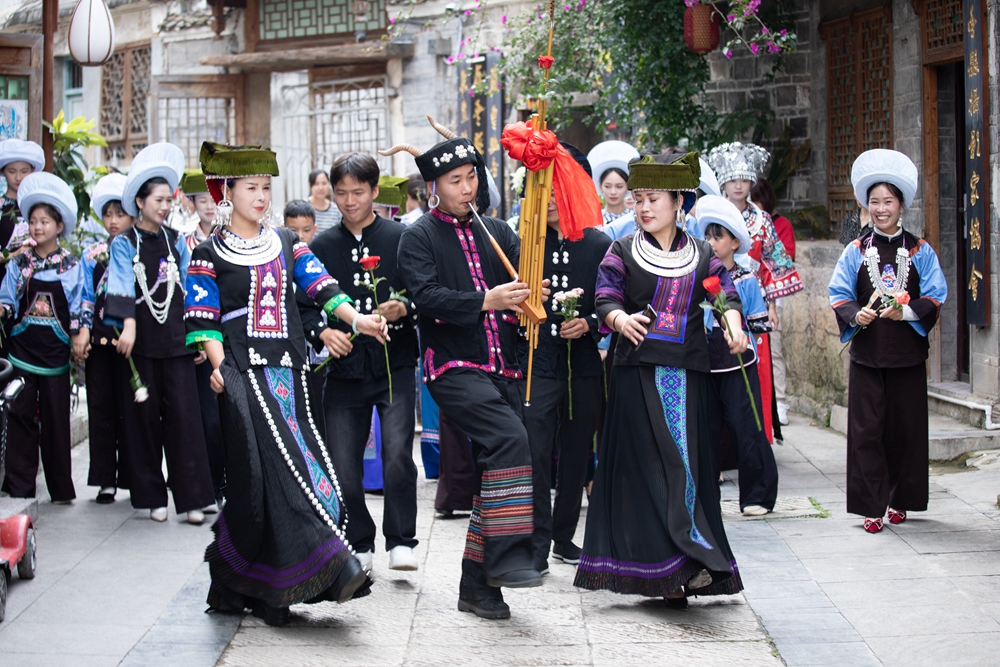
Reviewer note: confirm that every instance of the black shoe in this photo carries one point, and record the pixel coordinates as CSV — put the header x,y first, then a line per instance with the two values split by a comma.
x,y
351,578
516,579
276,616
680,604
489,608
567,552
225,601
105,498
542,565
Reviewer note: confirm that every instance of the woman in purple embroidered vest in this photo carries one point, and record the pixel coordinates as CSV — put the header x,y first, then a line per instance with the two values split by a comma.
x,y
280,537
654,526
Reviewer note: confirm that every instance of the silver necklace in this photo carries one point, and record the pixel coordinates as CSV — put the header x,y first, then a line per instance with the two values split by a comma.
x,y
662,262
875,275
159,309
255,251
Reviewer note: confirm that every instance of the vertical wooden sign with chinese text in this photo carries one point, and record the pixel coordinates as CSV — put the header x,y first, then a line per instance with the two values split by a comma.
x,y
480,112
977,192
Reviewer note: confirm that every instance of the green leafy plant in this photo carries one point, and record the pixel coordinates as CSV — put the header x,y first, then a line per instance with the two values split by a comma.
x,y
69,138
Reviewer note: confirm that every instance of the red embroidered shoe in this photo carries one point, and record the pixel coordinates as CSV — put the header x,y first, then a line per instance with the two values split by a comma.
x,y
873,525
896,517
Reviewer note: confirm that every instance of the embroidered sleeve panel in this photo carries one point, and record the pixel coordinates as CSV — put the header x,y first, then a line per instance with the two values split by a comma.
x,y
309,273
203,299
754,307
89,296
73,280
195,339
121,277
610,291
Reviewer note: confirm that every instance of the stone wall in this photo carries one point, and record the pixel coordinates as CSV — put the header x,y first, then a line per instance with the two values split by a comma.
x,y
816,371
907,98
741,81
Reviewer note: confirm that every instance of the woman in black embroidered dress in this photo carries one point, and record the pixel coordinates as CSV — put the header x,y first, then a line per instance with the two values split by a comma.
x,y
654,526
280,537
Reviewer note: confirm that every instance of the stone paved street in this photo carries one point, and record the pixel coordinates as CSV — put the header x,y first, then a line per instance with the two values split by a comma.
x,y
114,588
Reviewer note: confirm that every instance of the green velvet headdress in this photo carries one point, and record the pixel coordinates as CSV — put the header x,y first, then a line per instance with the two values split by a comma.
x,y
221,161
193,182
648,174
392,191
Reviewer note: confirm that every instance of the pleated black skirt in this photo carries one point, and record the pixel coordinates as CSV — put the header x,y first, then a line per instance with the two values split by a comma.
x,y
654,519
279,538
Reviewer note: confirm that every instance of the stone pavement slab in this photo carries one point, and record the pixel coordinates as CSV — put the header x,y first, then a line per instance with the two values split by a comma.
x,y
411,619
921,593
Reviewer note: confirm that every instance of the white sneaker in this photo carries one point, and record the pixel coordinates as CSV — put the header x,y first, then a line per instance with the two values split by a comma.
x,y
365,558
158,514
782,413
211,509
402,558
754,510
196,517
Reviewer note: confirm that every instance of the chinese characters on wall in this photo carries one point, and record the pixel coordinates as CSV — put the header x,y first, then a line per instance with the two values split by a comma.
x,y
977,201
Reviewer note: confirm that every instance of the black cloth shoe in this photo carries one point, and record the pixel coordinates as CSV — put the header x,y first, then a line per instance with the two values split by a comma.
x,y
680,604
351,578
276,616
567,552
542,565
489,608
224,601
516,579
104,498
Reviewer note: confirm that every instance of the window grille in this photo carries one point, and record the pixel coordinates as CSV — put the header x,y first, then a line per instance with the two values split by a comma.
x,y
291,19
124,100
859,99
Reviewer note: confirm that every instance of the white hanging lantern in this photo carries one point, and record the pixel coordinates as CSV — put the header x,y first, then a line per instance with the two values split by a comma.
x,y
91,33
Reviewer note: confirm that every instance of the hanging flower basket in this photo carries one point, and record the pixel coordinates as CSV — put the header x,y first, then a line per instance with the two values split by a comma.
x,y
701,28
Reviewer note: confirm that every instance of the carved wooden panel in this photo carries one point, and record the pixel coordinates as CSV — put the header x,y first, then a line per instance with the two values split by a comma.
x,y
941,22
859,99
297,19
124,103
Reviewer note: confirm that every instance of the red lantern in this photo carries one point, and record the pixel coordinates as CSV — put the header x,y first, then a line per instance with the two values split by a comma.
x,y
701,28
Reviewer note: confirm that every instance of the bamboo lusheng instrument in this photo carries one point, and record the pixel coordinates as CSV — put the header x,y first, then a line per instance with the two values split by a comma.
x,y
532,228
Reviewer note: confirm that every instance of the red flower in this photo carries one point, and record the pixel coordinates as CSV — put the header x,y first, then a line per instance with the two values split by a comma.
x,y
903,298
712,285
545,62
370,262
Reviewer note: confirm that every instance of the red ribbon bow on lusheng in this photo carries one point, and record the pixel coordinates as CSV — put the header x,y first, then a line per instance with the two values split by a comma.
x,y
577,200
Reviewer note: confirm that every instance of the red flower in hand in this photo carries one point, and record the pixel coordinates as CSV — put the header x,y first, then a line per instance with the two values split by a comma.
x,y
712,285
545,62
370,262
903,298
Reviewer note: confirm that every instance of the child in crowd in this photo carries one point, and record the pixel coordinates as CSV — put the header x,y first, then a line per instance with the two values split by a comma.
x,y
42,298
300,217
17,159
108,395
726,232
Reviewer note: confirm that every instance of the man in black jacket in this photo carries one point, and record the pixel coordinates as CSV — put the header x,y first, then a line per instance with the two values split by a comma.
x,y
358,380
468,335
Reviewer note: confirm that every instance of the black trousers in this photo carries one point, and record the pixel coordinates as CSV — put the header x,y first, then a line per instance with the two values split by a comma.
x,y
317,382
487,408
550,430
211,424
348,405
39,421
168,423
887,440
755,458
108,399
457,480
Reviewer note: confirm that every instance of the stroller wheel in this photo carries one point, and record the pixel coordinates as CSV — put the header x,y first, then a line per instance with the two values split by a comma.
x,y
26,568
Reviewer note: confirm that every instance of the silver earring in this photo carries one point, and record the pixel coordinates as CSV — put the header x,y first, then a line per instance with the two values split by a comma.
x,y
223,210
433,201
268,218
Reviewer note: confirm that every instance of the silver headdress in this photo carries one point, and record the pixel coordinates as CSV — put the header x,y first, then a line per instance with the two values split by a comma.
x,y
738,160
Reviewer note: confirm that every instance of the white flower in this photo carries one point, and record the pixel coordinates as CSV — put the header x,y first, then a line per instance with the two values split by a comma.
x,y
141,394
517,179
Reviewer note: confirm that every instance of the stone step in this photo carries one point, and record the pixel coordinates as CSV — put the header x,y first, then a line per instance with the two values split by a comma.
x,y
948,438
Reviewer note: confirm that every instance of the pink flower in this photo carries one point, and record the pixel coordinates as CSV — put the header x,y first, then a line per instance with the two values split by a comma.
x,y
729,53
503,19
772,47
731,18
754,48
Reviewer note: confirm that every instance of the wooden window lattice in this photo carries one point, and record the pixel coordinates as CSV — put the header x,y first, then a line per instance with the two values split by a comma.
x,y
942,21
124,100
298,19
859,102
187,122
